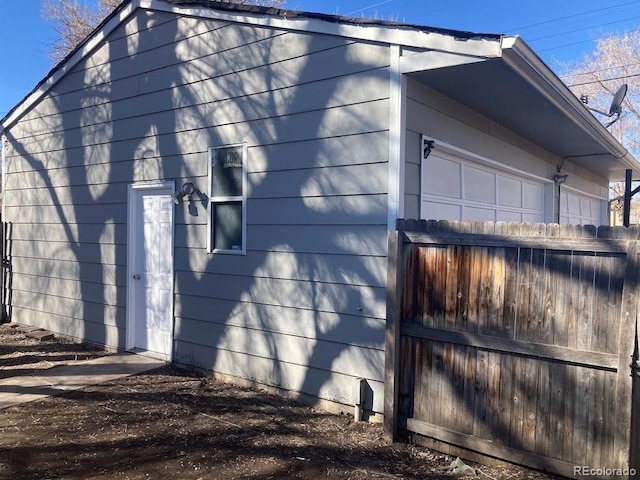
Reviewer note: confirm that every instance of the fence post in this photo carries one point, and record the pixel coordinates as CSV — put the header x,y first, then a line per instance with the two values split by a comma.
x,y
4,314
624,450
395,266
634,440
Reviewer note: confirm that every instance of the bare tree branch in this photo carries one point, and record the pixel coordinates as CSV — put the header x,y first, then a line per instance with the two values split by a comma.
x,y
615,60
74,20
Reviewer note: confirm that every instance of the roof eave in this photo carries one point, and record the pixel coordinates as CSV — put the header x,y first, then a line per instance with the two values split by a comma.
x,y
464,43
67,64
517,54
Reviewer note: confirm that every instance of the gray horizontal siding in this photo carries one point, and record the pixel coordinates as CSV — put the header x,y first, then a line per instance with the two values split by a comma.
x,y
335,210
366,179
108,233
412,175
202,129
93,253
284,92
92,292
180,85
361,240
431,113
338,151
81,328
320,239
313,111
72,270
69,214
330,385
92,312
325,355
311,324
114,159
328,297
348,269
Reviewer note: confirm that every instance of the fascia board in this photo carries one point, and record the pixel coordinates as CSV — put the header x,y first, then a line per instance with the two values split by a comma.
x,y
480,45
518,56
69,63
432,60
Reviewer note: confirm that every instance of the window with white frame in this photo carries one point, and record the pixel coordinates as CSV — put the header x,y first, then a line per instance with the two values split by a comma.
x,y
227,199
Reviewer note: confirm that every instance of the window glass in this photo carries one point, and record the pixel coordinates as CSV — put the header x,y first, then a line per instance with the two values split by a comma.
x,y
227,197
226,172
227,226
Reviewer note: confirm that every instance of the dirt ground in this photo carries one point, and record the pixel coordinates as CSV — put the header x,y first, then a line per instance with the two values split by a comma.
x,y
172,424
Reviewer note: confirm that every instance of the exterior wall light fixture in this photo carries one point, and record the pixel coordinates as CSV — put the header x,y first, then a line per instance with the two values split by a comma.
x,y
427,146
560,179
187,190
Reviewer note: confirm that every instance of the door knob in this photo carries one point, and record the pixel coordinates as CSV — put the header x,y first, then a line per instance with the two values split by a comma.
x,y
136,276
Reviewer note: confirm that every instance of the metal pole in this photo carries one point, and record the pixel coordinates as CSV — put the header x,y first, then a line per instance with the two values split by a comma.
x,y
626,208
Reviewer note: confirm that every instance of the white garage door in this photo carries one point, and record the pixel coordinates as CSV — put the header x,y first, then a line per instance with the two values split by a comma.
x,y
578,208
458,189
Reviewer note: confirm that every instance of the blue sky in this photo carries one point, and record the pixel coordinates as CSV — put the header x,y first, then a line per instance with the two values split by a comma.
x,y
558,30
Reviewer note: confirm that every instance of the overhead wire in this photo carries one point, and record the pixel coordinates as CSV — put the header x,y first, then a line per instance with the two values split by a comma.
x,y
572,16
589,72
621,77
581,29
584,41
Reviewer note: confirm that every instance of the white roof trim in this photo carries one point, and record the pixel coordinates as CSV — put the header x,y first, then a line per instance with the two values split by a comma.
x,y
529,66
481,46
513,51
70,63
432,60
391,34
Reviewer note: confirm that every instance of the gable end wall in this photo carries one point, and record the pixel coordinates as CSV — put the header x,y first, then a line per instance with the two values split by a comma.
x,y
304,308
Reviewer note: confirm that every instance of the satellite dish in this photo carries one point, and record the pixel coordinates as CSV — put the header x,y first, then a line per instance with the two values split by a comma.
x,y
618,98
616,104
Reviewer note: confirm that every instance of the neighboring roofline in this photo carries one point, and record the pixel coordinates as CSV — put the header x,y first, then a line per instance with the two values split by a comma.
x,y
522,59
438,39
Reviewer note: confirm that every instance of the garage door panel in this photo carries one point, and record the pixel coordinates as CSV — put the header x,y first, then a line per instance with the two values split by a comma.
x,y
585,207
509,192
440,211
458,189
580,209
573,202
479,185
532,218
533,196
479,214
443,178
507,216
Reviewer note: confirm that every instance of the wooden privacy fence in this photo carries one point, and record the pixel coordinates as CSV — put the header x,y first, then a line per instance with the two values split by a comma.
x,y
515,341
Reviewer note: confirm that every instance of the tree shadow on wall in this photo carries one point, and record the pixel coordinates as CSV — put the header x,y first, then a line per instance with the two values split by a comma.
x,y
307,300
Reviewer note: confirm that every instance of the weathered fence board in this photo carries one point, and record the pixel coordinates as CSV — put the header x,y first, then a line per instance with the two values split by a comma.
x,y
514,340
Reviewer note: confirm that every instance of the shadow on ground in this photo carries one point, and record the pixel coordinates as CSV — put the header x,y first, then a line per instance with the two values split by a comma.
x,y
169,423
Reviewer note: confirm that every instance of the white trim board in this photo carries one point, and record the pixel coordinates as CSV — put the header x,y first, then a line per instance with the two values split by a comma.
x,y
397,139
163,186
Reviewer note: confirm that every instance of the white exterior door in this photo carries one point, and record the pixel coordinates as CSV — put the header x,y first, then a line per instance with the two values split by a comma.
x,y
150,269
458,189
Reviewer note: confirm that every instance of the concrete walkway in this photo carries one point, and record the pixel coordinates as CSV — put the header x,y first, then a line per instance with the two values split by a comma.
x,y
66,378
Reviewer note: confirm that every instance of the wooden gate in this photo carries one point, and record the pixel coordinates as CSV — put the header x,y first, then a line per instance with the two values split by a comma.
x,y
514,341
